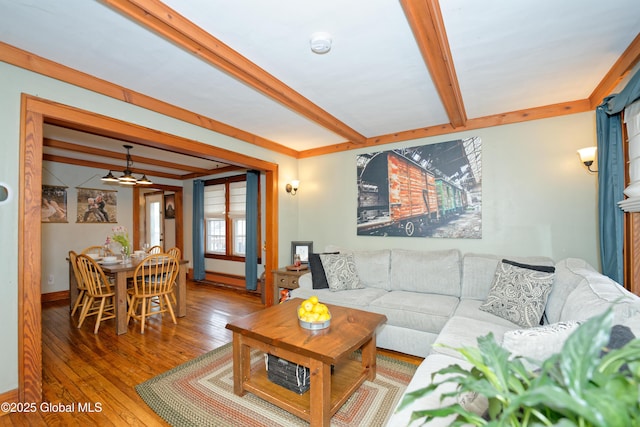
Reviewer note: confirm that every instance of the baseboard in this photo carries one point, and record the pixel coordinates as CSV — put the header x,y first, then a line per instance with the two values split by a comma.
x,y
54,296
230,281
11,396
225,279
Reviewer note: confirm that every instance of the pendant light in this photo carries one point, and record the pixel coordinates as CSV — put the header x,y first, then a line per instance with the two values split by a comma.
x,y
127,177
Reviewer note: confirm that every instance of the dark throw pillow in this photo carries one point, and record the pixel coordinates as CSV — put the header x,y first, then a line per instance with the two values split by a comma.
x,y
318,276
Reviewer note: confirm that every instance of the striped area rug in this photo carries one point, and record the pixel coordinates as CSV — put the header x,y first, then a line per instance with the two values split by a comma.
x,y
200,393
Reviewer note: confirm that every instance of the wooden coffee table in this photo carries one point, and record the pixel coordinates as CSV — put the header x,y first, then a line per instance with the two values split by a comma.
x,y
275,330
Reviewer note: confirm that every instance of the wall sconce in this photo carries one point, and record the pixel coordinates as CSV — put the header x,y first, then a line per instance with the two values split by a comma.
x,y
587,157
292,188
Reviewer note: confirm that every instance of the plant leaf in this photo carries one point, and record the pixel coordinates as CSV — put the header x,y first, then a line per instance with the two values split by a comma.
x,y
580,354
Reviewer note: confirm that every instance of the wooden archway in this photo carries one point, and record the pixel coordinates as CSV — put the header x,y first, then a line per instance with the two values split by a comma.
x,y
35,112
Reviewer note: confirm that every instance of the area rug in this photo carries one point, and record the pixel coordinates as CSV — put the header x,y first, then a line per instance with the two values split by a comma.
x,y
200,393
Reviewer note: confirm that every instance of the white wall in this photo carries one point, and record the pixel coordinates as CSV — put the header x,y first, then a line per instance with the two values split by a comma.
x,y
537,199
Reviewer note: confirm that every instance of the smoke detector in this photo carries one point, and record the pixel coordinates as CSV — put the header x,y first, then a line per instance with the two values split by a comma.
x,y
320,42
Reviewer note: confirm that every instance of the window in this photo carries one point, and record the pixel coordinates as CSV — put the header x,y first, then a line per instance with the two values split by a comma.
x,y
225,218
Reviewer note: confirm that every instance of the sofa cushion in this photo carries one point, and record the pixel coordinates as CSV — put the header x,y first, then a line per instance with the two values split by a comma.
x,y
464,332
594,294
424,312
373,268
356,298
436,272
470,308
540,342
519,292
478,272
563,284
421,379
341,272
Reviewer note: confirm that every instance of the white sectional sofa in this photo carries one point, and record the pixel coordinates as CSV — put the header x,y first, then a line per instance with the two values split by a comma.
x,y
435,297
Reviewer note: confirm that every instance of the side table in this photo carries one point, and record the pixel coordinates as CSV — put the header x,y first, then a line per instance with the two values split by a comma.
x,y
286,279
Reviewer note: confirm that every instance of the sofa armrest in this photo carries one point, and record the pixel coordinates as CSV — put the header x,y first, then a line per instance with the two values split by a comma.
x,y
305,282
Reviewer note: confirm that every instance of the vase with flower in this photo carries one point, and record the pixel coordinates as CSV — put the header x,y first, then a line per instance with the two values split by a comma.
x,y
119,234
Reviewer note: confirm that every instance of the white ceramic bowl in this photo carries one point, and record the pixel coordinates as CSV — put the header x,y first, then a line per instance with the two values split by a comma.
x,y
110,259
93,256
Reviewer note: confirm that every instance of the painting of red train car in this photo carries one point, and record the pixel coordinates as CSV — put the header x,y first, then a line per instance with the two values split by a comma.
x,y
427,191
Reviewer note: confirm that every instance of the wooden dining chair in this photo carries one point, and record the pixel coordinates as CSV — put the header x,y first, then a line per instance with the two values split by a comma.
x,y
177,254
97,249
82,288
99,298
154,277
157,249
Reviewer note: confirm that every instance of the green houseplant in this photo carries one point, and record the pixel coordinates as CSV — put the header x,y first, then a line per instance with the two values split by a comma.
x,y
582,385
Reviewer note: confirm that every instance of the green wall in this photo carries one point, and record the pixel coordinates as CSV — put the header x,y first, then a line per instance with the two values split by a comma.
x,y
15,81
537,199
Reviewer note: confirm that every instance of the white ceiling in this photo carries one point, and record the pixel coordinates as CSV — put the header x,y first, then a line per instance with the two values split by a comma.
x,y
508,55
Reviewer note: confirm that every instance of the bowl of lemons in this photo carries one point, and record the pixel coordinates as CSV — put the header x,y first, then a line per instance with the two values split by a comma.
x,y
313,315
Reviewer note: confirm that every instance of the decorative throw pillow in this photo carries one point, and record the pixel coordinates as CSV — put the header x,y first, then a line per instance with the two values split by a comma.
x,y
519,292
318,276
341,272
541,342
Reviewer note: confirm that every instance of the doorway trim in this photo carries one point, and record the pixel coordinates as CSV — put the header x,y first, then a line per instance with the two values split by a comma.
x,y
34,113
179,217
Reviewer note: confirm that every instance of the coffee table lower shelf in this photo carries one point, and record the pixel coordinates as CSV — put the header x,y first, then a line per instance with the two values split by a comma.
x,y
346,378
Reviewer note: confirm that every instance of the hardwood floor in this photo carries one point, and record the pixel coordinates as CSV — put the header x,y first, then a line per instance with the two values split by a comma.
x,y
99,372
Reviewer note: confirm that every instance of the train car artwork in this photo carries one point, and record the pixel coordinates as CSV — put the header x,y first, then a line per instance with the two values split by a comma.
x,y
396,193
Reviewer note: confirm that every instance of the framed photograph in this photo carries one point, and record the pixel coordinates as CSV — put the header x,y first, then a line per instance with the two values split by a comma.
x,y
97,206
54,204
303,249
169,206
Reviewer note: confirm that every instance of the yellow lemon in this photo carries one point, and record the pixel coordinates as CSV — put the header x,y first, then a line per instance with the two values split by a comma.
x,y
301,312
323,317
307,305
318,308
313,299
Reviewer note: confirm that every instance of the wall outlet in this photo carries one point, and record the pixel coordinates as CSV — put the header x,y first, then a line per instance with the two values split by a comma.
x,y
51,280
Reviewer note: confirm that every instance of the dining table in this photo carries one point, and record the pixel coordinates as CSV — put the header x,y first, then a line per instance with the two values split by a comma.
x,y
121,272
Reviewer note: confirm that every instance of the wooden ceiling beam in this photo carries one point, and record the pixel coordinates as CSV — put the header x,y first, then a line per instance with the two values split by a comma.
x,y
68,146
37,64
108,166
174,27
629,58
425,19
544,112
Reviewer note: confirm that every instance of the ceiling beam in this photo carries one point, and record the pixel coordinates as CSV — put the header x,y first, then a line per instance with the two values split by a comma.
x,y
37,64
68,146
108,166
174,27
544,112
629,58
425,19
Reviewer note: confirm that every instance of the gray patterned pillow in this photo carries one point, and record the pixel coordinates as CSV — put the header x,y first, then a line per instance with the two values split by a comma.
x,y
341,272
519,292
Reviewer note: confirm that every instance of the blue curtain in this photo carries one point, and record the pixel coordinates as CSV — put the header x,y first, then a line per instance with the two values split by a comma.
x,y
611,177
198,229
251,251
